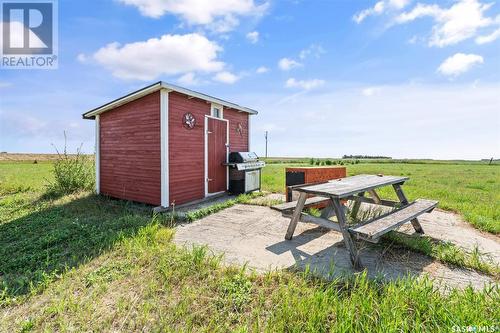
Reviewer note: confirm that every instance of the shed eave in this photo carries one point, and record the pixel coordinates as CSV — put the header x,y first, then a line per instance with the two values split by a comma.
x,y
122,100
155,87
205,97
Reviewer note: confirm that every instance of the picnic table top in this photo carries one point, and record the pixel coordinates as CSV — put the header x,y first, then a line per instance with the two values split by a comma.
x,y
345,187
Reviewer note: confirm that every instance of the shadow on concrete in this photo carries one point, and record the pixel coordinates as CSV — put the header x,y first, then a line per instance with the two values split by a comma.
x,y
379,261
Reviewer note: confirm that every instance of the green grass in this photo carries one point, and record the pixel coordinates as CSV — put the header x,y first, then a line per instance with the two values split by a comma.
x,y
86,263
145,283
23,176
445,252
473,189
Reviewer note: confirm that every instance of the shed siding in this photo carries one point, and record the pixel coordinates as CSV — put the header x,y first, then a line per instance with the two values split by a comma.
x,y
186,149
130,151
237,141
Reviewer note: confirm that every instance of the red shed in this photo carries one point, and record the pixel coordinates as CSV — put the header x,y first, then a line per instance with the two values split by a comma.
x,y
164,144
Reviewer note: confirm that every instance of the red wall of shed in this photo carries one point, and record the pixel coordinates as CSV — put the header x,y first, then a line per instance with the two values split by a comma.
x,y
130,151
186,149
187,146
237,141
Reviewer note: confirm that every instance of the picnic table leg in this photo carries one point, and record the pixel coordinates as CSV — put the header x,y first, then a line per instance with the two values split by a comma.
x,y
375,196
296,215
355,207
402,198
349,243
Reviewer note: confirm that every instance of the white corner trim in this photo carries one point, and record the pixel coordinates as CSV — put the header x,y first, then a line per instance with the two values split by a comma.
x,y
248,134
97,155
228,145
165,189
205,131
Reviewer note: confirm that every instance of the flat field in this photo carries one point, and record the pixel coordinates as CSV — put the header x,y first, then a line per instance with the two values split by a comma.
x,y
71,258
470,189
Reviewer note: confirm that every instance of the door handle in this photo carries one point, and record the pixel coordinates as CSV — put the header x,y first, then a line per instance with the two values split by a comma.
x,y
209,179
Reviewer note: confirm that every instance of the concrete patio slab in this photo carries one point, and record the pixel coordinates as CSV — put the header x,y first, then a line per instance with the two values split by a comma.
x,y
254,235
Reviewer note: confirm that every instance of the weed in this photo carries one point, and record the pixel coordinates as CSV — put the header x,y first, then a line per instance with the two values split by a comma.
x,y
446,252
234,293
71,173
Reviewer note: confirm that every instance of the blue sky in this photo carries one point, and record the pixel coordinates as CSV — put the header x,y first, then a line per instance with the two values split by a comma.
x,y
416,79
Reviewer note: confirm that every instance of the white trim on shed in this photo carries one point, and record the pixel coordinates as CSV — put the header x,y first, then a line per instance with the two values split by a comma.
x,y
165,188
97,155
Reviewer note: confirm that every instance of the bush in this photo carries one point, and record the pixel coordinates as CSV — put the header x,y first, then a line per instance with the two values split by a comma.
x,y
71,173
311,161
328,162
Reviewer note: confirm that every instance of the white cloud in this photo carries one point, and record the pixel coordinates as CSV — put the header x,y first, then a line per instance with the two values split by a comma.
x,y
224,24
399,4
82,58
370,91
169,55
262,69
314,50
286,64
452,25
488,38
188,79
226,77
379,8
253,37
459,64
201,12
304,84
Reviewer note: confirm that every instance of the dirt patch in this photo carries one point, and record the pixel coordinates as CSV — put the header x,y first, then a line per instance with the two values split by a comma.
x,y
254,235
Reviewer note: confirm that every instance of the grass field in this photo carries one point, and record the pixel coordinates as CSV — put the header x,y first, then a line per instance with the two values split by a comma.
x,y
65,260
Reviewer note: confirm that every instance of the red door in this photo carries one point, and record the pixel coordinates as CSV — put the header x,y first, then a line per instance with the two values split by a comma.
x,y
216,145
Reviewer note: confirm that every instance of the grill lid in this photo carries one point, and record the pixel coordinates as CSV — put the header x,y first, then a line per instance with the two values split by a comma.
x,y
243,157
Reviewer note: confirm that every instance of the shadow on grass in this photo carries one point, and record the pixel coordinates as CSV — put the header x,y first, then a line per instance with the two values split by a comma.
x,y
54,238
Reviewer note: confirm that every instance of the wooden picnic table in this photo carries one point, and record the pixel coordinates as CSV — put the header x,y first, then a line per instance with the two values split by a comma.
x,y
354,188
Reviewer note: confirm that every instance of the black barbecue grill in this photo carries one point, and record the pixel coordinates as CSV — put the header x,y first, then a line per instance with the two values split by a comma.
x,y
244,172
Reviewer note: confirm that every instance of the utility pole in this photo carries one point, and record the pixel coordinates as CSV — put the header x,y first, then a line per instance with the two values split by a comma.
x,y
266,144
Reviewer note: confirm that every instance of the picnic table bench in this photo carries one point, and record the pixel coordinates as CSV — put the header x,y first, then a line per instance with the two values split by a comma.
x,y
354,188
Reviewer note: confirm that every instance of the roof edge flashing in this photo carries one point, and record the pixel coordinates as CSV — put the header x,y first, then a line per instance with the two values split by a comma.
x,y
158,86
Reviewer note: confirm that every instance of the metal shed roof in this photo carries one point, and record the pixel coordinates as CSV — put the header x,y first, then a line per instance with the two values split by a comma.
x,y
155,87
